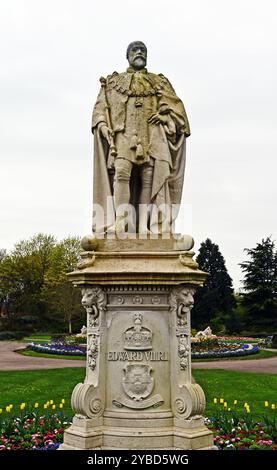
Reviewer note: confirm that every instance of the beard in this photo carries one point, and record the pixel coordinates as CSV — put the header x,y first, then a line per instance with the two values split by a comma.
x,y
139,63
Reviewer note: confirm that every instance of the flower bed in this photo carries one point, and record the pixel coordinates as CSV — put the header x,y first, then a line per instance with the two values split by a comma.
x,y
205,348
32,428
32,431
222,349
59,348
235,339
232,432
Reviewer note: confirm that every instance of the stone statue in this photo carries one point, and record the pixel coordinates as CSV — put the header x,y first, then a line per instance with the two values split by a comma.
x,y
205,333
83,333
140,128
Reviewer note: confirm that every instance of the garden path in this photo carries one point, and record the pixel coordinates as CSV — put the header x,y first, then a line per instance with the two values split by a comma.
x,y
11,360
264,366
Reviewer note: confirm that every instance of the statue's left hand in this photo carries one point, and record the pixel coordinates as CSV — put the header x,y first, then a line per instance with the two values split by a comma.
x,y
157,118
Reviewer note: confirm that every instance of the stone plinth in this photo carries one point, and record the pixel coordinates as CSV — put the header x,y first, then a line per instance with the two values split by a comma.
x,y
138,392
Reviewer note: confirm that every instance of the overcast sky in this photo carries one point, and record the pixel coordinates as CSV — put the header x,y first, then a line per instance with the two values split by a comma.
x,y
221,58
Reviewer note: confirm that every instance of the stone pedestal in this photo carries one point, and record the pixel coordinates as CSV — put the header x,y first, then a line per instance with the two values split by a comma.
x,y
138,392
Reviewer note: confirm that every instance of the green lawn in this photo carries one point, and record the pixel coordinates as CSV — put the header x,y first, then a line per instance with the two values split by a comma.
x,y
39,386
37,338
54,384
248,387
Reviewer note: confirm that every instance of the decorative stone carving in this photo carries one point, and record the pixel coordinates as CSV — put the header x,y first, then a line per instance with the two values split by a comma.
x,y
154,402
186,260
137,382
138,337
156,300
94,302
92,350
183,351
85,402
181,302
137,299
88,258
191,401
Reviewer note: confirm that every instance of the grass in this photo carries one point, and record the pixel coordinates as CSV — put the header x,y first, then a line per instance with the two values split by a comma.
x,y
248,387
39,338
29,352
54,384
39,386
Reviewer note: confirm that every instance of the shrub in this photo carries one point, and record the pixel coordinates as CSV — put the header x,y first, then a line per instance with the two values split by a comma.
x,y
7,335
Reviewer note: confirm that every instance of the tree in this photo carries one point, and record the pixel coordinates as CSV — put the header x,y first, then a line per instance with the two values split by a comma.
x,y
3,295
3,253
61,297
34,282
22,273
214,303
260,284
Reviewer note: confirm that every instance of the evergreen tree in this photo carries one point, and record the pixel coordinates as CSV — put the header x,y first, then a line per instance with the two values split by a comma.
x,y
260,283
215,301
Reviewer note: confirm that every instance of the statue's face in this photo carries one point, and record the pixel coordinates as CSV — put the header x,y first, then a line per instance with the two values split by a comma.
x,y
137,56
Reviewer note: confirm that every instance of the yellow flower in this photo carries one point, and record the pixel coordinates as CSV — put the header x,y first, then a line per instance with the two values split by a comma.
x,y
273,406
8,410
45,406
245,404
247,410
1,411
63,400
221,400
11,407
215,401
51,402
53,407
48,403
61,405
229,409
22,406
266,403
36,405
225,404
235,402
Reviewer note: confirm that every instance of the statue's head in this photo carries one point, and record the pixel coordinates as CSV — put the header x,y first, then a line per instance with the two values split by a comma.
x,y
137,55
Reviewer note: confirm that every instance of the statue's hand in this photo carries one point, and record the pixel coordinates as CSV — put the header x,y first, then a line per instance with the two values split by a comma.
x,y
157,118
106,133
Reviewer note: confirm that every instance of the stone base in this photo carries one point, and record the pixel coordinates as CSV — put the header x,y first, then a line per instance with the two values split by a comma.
x,y
199,438
138,391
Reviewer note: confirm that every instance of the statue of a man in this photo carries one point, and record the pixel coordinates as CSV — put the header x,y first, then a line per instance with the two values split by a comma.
x,y
140,128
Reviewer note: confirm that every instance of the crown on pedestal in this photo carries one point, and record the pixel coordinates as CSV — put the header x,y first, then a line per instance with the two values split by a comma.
x,y
138,337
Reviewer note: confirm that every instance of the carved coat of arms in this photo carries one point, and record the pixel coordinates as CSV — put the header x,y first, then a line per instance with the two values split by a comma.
x,y
137,382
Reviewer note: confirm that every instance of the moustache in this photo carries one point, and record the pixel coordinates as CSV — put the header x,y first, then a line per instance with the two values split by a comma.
x,y
139,56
